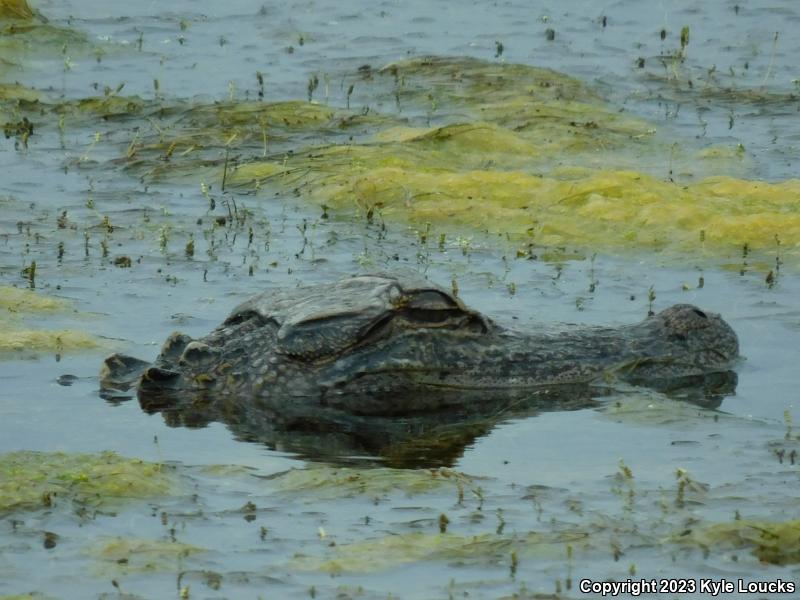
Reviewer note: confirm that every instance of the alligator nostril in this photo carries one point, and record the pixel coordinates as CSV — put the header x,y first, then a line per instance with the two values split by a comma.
x,y
700,313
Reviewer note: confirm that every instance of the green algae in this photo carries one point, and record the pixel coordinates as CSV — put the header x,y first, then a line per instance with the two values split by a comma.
x,y
601,209
467,146
323,483
705,86
15,100
386,552
294,114
648,408
108,106
14,340
398,549
219,119
14,92
527,153
505,130
473,83
139,555
16,9
17,300
16,305
32,480
36,37
772,542
547,173
191,140
558,114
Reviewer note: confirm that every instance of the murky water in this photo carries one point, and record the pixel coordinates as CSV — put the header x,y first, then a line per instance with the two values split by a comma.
x,y
550,502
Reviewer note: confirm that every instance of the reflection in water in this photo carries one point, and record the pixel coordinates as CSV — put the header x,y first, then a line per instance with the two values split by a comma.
x,y
430,439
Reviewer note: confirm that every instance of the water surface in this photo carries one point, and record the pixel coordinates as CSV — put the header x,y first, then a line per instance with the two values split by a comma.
x,y
549,502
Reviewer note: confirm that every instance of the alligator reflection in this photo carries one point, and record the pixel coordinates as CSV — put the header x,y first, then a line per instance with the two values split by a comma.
x,y
424,440
394,366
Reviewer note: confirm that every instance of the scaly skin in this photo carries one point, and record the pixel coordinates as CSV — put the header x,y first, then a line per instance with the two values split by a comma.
x,y
398,345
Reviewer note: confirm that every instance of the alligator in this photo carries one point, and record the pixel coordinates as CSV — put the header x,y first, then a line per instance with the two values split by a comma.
x,y
392,348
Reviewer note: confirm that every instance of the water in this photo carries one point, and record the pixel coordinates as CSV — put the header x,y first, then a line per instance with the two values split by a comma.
x,y
556,474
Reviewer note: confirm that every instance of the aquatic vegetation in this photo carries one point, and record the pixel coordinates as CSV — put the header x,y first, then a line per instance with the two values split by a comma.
x,y
108,106
187,140
15,336
517,113
295,114
14,92
44,340
557,114
138,555
773,542
604,209
16,9
707,85
13,99
387,552
321,483
510,149
472,82
31,480
16,300
649,408
540,172
23,31
399,549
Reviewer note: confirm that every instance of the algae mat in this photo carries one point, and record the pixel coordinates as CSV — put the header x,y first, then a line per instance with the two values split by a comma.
x,y
597,210
465,145
19,306
30,480
545,162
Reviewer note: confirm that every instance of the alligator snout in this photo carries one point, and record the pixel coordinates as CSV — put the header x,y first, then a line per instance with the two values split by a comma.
x,y
421,347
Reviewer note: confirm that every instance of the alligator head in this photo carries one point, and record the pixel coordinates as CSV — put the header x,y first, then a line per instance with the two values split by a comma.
x,y
397,346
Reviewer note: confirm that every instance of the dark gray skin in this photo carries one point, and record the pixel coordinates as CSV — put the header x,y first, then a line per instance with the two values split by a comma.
x,y
394,367
397,344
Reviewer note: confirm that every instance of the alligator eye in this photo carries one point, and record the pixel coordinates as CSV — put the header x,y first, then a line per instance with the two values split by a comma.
x,y
247,316
700,313
427,315
241,317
